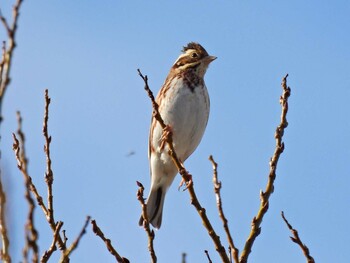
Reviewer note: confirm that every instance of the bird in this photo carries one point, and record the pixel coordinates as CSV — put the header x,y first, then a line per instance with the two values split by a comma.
x,y
184,106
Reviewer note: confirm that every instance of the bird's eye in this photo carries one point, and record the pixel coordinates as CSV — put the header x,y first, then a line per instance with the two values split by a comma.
x,y
194,55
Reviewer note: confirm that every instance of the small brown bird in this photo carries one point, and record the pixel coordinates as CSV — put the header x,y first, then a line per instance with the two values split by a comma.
x,y
184,106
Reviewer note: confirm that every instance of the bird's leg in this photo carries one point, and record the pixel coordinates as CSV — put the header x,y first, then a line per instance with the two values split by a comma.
x,y
186,179
165,135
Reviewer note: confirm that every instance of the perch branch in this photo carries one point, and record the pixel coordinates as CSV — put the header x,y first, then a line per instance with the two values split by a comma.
x,y
264,196
296,239
185,175
217,188
111,249
146,226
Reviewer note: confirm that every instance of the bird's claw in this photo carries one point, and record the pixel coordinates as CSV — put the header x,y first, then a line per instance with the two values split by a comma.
x,y
186,180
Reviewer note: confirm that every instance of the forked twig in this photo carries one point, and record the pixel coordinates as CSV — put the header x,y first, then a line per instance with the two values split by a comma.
x,y
264,196
53,247
217,188
194,200
74,245
111,249
146,226
296,239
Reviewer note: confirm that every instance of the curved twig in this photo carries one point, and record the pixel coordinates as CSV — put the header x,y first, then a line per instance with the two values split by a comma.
x,y
145,223
30,230
217,188
111,249
296,239
264,196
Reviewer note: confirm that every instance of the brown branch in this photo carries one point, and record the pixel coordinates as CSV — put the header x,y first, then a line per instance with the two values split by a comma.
x,y
217,188
186,176
48,173
296,239
31,234
47,254
74,245
6,61
48,211
21,166
111,249
264,196
146,226
4,253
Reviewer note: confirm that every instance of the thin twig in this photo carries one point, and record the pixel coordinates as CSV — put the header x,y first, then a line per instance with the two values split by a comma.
x,y
208,257
48,173
296,239
111,249
264,196
46,256
30,231
185,175
74,245
5,65
4,253
217,188
146,226
21,166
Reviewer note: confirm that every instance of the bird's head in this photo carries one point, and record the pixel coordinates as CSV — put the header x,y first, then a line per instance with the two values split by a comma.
x,y
193,57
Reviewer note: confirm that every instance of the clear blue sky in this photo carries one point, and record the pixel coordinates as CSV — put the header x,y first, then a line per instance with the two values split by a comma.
x,y
87,54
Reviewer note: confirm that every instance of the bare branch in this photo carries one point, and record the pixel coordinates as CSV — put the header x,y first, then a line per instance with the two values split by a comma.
x,y
74,245
46,256
48,173
186,177
31,234
217,188
264,196
146,226
111,249
296,239
5,64
4,253
183,258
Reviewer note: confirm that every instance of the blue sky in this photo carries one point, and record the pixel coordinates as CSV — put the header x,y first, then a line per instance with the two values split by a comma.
x,y
87,55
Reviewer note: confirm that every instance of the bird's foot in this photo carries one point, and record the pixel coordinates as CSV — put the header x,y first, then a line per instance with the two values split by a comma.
x,y
186,180
165,135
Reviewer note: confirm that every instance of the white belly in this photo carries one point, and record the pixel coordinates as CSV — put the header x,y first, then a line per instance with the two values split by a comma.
x,y
186,112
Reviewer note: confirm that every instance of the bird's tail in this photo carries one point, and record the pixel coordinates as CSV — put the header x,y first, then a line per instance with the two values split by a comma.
x,y
155,202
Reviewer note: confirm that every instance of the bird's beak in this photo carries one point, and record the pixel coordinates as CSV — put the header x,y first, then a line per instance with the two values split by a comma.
x,y
209,59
